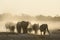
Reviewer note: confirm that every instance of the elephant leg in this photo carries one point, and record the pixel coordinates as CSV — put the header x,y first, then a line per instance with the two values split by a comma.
x,y
24,30
48,32
35,31
19,30
41,32
44,32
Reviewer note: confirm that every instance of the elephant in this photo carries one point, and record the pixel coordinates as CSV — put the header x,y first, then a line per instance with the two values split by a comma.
x,y
18,26
44,28
35,27
30,30
22,25
10,26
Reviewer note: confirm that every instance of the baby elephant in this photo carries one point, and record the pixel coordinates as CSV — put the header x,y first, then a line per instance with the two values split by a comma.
x,y
10,26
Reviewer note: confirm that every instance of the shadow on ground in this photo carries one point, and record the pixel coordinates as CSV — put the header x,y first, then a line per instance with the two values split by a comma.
x,y
15,36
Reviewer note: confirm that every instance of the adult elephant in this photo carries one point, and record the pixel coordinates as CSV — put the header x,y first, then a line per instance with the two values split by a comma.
x,y
22,25
10,26
35,27
44,28
18,27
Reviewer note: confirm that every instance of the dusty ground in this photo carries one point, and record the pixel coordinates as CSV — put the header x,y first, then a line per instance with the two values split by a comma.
x,y
14,36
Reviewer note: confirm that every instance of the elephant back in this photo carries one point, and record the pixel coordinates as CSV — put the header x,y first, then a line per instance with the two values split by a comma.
x,y
43,27
7,25
35,26
24,23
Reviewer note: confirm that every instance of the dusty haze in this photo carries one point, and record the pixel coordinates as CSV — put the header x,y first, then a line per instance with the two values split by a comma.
x,y
35,11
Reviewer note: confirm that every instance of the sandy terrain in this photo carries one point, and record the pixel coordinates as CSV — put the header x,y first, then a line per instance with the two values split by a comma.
x,y
15,36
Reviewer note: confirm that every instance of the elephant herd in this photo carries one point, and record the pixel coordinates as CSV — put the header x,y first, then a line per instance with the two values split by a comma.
x,y
23,25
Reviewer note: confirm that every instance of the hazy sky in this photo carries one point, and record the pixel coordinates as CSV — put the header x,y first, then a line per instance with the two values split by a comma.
x,y
31,7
